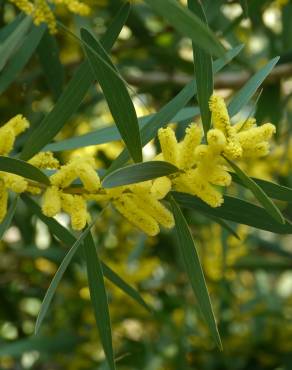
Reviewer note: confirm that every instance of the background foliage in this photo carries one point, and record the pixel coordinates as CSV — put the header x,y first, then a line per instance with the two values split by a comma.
x,y
249,278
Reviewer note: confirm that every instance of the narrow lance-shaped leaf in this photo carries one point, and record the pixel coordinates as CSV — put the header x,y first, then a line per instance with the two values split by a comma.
x,y
188,24
66,237
99,298
139,172
13,40
258,192
72,96
242,97
203,70
48,53
57,278
116,95
273,190
194,270
21,57
236,210
8,218
168,111
23,169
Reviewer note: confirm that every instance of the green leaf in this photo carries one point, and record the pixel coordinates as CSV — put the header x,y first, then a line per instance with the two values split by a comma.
x,y
194,270
111,133
242,97
203,71
236,210
13,40
273,190
8,218
48,53
138,172
21,57
116,95
57,278
258,192
10,27
167,112
188,24
67,238
244,6
23,169
99,298
64,342
71,98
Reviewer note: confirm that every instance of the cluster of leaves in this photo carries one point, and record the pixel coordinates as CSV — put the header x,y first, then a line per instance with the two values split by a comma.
x,y
21,40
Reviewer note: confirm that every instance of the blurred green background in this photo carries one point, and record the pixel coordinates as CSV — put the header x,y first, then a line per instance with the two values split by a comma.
x,y
250,280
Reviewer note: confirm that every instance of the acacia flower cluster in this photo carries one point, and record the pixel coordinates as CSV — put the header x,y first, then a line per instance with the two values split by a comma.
x,y
202,172
41,12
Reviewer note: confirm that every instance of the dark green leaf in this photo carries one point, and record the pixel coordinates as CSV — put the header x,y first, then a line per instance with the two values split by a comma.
x,y
138,172
258,192
67,238
242,97
188,24
13,40
22,168
99,298
225,226
57,278
236,210
8,218
21,57
10,27
244,6
71,98
194,270
116,94
203,71
273,190
64,342
48,53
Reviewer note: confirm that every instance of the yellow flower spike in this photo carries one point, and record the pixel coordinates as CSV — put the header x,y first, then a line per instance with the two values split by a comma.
x,y
45,160
220,117
14,182
43,14
160,187
141,187
233,150
75,6
3,201
33,190
98,197
220,176
191,140
256,135
25,5
18,124
169,146
7,139
75,206
216,140
259,150
88,176
51,201
245,125
127,206
155,209
65,176
194,183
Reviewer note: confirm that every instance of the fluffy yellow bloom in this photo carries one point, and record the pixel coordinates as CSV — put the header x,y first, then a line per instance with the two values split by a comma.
x,y
51,201
75,206
41,12
242,139
64,177
127,206
87,174
168,145
191,140
160,187
3,201
9,131
14,182
45,160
